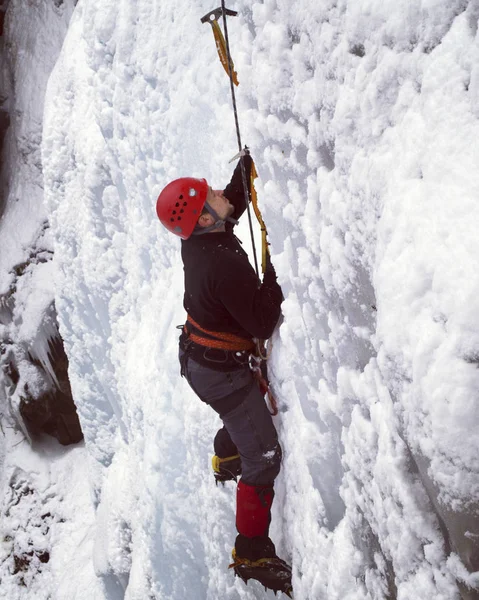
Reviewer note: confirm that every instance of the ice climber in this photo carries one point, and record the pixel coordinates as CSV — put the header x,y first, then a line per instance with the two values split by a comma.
x,y
227,308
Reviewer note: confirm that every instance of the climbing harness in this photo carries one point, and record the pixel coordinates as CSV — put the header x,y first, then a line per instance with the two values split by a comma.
x,y
236,344
216,339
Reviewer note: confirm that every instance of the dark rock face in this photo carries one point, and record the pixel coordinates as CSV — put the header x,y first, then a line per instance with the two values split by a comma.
x,y
4,125
34,369
43,405
34,373
54,411
3,11
5,93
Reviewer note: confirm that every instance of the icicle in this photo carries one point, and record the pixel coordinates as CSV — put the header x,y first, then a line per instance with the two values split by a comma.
x,y
40,348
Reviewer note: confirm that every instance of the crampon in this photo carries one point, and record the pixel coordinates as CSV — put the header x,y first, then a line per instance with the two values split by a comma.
x,y
226,469
273,573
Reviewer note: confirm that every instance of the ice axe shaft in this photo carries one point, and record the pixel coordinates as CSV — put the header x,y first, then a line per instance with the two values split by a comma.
x,y
212,19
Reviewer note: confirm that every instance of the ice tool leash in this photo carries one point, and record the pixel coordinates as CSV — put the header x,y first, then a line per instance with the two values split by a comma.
x,y
223,48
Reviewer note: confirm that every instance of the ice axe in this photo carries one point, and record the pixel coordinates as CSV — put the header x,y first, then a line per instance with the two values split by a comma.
x,y
223,47
212,18
222,44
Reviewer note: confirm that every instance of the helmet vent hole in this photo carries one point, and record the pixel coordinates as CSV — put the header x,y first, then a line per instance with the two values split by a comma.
x,y
185,203
174,212
182,211
177,204
172,220
181,196
179,218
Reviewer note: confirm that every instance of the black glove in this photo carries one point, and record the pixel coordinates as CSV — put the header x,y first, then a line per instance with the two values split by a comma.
x,y
269,271
269,264
269,277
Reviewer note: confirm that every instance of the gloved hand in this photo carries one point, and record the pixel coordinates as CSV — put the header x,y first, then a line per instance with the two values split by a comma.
x,y
269,272
269,264
269,277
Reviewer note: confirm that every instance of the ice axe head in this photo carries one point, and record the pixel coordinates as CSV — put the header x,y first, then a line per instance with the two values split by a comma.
x,y
221,46
215,14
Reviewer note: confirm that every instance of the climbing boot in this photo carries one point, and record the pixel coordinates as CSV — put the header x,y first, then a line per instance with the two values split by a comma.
x,y
226,469
226,461
255,558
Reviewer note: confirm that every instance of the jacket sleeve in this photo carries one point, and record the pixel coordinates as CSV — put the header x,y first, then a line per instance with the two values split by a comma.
x,y
256,308
234,191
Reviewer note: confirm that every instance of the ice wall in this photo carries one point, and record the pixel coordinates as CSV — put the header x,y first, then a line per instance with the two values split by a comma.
x,y
362,118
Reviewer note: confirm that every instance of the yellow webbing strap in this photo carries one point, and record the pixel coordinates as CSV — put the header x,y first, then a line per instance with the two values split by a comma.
x,y
216,461
221,47
252,563
257,212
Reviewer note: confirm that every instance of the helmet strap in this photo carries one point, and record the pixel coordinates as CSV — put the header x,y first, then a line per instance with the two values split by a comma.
x,y
216,225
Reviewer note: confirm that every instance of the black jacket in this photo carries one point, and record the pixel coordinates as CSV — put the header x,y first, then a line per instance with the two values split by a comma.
x,y
222,292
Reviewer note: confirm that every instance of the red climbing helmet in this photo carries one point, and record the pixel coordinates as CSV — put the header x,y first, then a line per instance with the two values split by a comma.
x,y
180,204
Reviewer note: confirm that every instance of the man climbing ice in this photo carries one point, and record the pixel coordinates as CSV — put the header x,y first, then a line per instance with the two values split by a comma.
x,y
227,308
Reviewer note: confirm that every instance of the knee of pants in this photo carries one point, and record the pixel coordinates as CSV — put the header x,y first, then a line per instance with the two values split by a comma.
x,y
262,471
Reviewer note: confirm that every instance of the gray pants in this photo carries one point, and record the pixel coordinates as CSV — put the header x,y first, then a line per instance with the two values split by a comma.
x,y
236,397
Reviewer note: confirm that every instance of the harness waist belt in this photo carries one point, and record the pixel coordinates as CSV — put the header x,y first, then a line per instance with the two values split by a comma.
x,y
216,339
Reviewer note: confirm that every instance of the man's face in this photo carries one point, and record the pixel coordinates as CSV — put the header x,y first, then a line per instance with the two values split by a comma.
x,y
219,203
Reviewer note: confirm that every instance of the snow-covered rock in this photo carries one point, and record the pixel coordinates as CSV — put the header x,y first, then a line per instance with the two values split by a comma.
x,y
38,485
